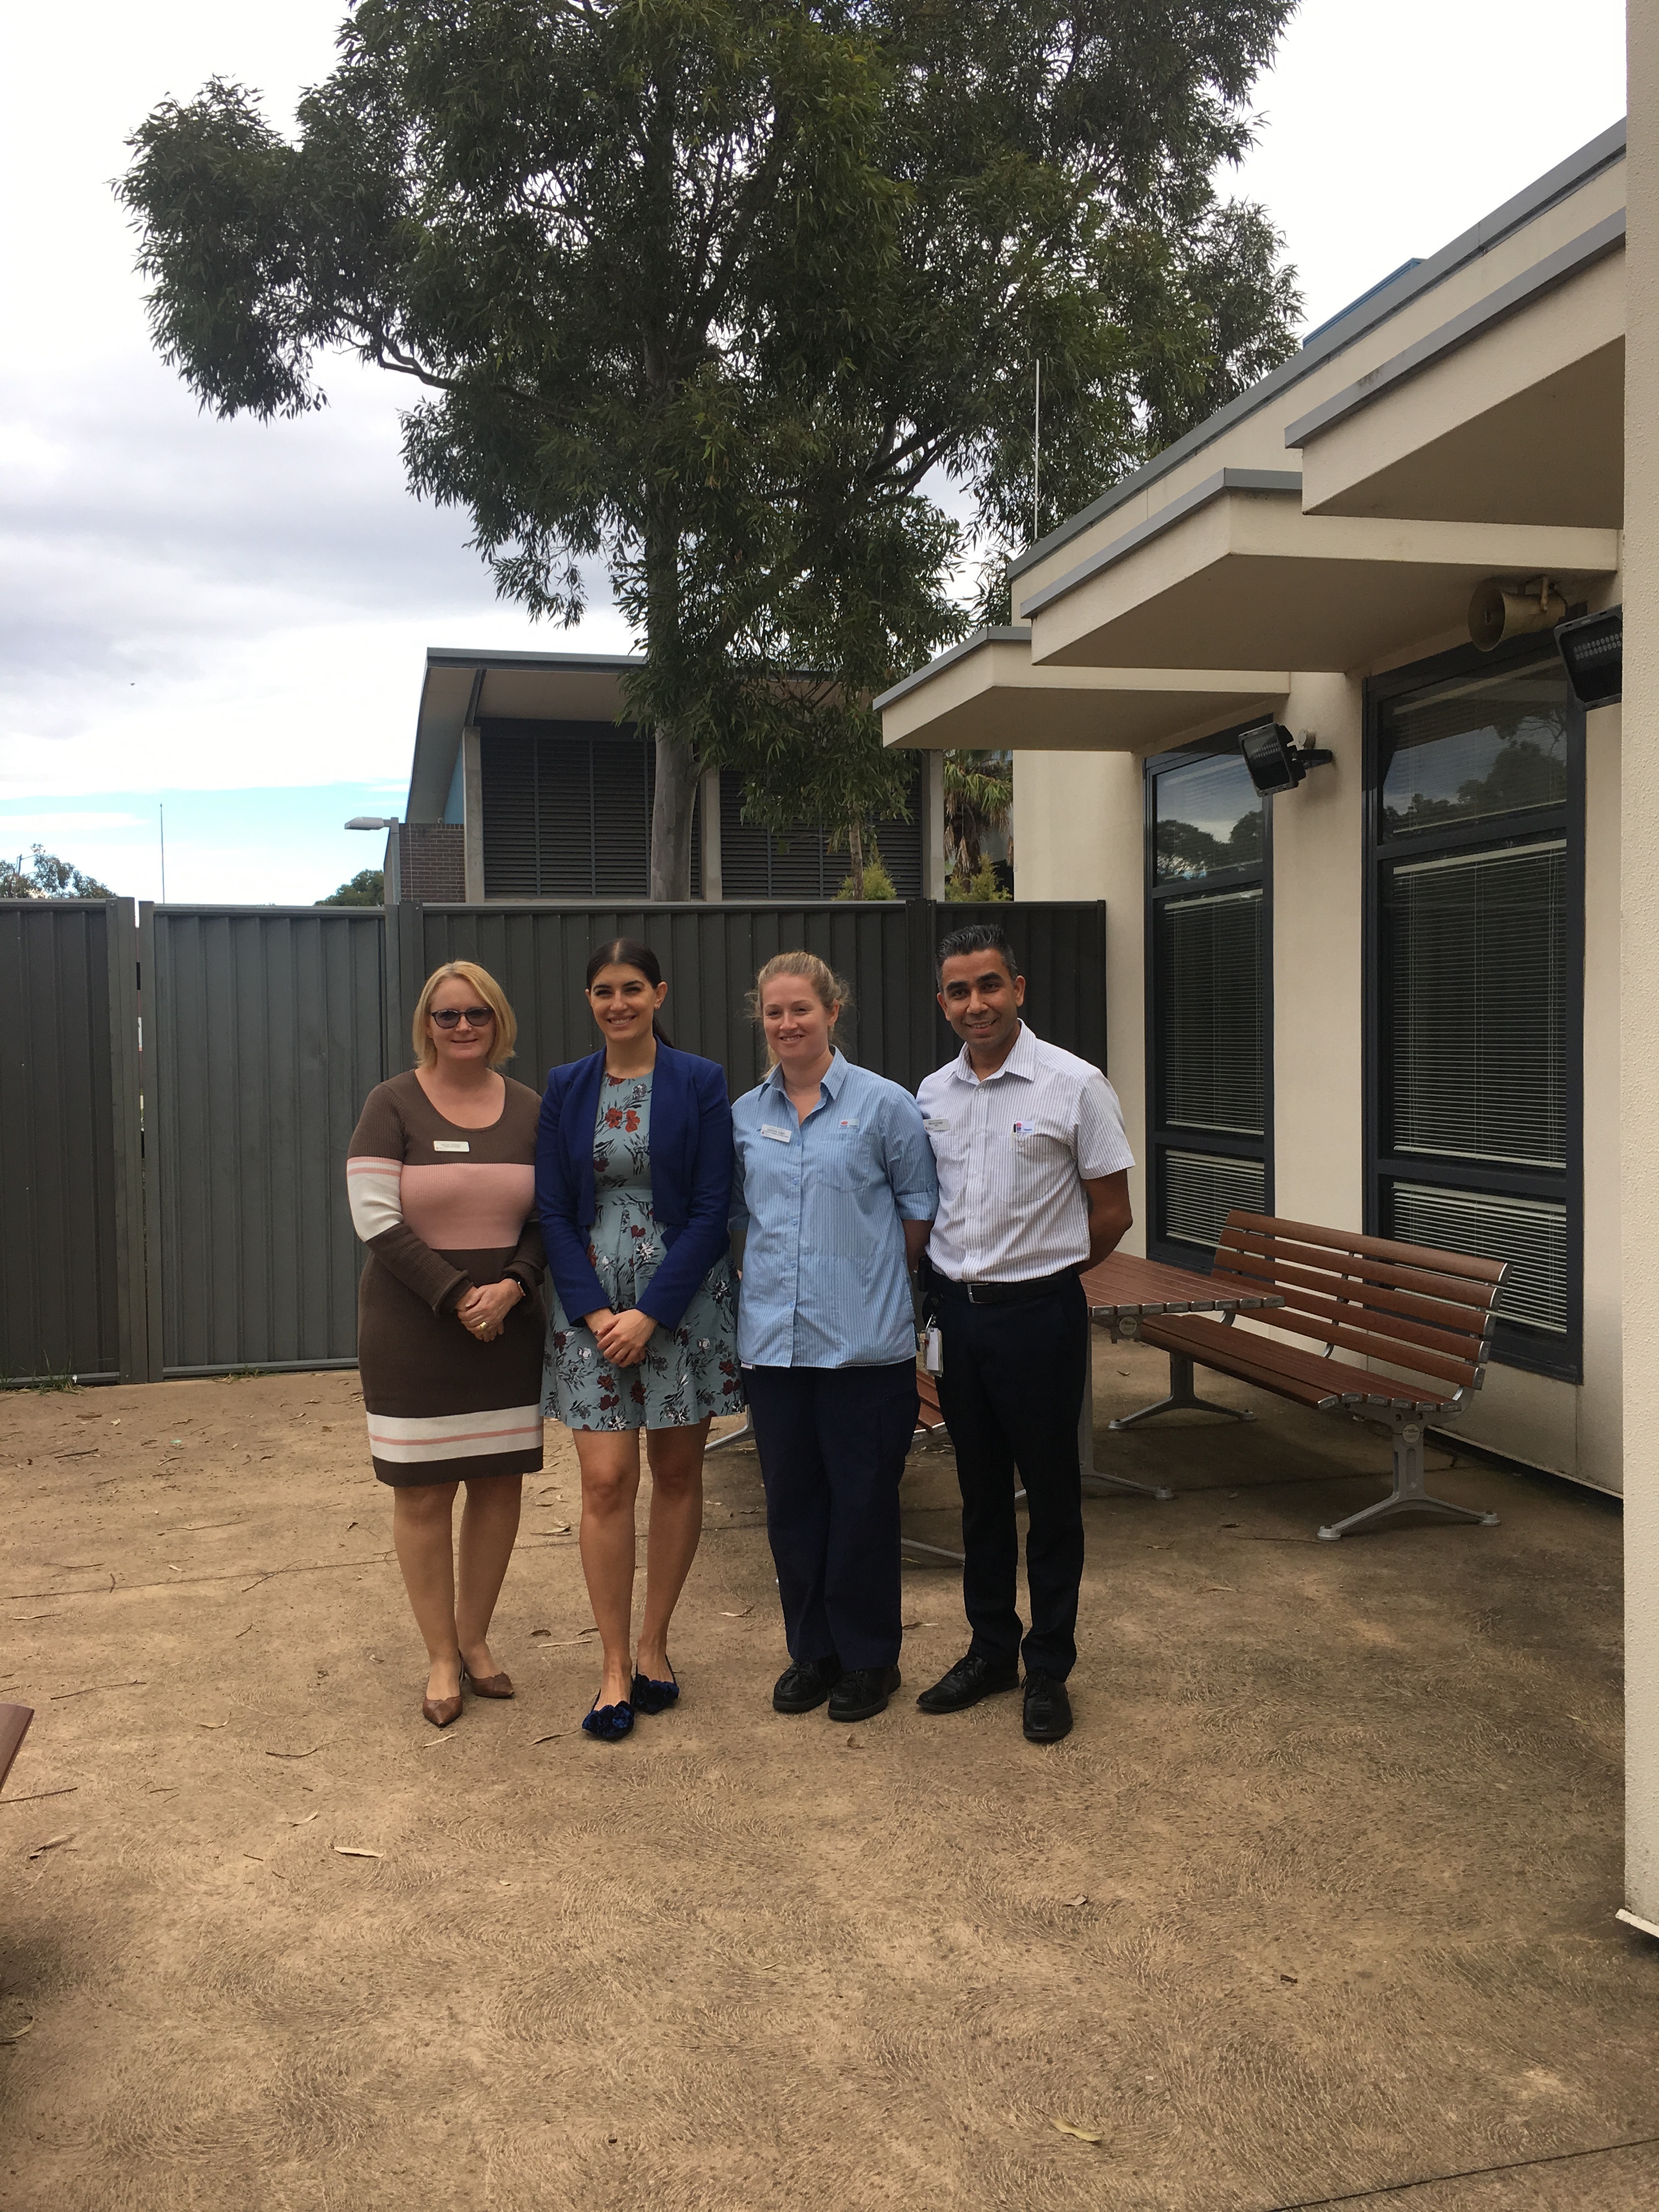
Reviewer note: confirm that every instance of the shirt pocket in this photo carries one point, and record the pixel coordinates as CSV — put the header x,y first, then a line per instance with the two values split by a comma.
x,y
1042,1157
848,1162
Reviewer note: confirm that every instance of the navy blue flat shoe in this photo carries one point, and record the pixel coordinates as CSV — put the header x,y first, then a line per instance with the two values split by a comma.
x,y
611,1724
651,1697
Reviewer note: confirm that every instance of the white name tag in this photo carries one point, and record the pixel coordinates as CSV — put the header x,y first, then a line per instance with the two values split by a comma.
x,y
847,1125
1025,1128
934,1123
778,1136
451,1144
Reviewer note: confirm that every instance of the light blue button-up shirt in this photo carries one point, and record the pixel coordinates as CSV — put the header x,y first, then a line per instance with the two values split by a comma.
x,y
819,1204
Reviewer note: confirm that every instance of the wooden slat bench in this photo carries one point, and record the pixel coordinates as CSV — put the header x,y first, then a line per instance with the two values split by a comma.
x,y
1427,1316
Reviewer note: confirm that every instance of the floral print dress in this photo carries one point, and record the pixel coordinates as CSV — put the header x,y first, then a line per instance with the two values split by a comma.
x,y
687,1372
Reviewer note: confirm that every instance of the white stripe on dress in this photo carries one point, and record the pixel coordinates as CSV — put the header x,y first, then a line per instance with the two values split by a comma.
x,y
375,1191
407,1439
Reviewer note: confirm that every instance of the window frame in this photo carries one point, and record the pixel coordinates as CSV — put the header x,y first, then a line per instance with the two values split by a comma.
x,y
1514,1343
1161,1137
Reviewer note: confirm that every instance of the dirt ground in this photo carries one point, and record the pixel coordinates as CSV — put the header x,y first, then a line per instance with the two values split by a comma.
x,y
1316,1902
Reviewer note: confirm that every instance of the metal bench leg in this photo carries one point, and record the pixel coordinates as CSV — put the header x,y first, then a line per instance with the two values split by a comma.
x,y
1181,1399
1408,1495
745,1435
1097,1483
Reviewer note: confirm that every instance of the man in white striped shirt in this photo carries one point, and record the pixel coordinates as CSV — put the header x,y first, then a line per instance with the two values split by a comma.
x,y
1033,1188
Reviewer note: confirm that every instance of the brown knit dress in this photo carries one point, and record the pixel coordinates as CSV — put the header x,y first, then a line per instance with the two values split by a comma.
x,y
440,1209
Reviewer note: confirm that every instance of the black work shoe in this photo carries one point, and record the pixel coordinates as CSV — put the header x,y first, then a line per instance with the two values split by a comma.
x,y
967,1681
1048,1709
862,1692
806,1683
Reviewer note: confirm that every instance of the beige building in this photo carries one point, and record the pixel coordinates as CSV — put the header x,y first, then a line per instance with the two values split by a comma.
x,y
1391,998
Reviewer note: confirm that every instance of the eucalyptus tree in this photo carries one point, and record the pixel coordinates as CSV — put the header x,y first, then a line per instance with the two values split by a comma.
x,y
738,302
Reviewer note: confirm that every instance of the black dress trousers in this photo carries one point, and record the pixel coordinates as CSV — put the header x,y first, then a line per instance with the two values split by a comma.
x,y
832,1443
1012,1394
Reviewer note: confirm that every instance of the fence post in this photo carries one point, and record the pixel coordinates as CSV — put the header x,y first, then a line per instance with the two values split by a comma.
x,y
148,1073
131,1289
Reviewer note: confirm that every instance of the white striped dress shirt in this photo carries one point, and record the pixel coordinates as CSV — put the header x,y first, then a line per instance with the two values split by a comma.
x,y
1014,1153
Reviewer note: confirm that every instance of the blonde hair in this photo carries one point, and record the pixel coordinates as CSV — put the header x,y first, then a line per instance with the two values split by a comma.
x,y
833,994
489,992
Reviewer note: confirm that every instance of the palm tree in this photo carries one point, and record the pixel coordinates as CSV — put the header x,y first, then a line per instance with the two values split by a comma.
x,y
979,798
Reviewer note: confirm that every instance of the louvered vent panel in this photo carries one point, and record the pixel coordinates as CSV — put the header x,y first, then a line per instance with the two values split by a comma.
x,y
506,761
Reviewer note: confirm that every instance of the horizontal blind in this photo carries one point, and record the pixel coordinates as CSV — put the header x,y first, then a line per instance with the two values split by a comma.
x,y
1529,1233
1209,1011
755,863
1199,1193
1476,968
567,811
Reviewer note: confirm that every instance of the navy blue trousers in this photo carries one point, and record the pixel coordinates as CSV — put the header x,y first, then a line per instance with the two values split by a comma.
x,y
1012,1394
832,1443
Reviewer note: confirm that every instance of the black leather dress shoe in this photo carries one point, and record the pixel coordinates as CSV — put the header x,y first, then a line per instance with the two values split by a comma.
x,y
967,1681
862,1692
1048,1709
806,1683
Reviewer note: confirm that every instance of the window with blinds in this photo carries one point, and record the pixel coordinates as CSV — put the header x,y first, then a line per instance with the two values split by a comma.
x,y
1207,997
757,864
567,810
1477,905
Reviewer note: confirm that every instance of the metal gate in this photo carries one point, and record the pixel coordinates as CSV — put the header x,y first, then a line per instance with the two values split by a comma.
x,y
267,1033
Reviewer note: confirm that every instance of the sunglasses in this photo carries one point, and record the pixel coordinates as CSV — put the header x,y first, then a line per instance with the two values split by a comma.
x,y
449,1017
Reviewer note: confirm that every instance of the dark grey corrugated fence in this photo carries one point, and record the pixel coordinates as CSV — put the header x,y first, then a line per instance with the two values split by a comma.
x,y
71,1228
182,1211
710,955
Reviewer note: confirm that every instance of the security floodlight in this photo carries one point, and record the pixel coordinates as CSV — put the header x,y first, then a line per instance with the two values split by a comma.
x,y
1274,759
1592,650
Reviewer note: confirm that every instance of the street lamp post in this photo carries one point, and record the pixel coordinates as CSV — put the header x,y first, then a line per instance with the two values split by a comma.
x,y
392,892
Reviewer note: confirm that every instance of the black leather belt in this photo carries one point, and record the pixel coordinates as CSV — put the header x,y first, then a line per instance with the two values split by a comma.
x,y
1004,1294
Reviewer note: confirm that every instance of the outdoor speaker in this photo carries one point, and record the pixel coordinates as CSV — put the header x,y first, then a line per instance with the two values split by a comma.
x,y
1500,611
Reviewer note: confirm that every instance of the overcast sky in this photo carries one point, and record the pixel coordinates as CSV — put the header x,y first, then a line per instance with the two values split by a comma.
x,y
230,619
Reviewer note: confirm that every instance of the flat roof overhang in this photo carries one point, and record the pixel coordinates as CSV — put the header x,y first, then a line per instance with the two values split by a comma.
x,y
1513,411
462,687
1234,573
986,694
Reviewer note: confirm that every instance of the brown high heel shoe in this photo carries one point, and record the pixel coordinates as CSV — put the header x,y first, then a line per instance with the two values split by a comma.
x,y
441,1711
491,1686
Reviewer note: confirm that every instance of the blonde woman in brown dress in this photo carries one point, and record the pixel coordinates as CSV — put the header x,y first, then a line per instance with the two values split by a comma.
x,y
450,1323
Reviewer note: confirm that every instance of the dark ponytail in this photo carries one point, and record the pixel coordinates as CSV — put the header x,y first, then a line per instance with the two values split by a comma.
x,y
628,952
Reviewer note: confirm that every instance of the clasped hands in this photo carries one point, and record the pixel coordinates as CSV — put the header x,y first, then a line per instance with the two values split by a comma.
x,y
622,1337
483,1312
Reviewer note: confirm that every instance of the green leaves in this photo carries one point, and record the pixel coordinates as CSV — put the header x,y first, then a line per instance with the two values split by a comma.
x,y
720,294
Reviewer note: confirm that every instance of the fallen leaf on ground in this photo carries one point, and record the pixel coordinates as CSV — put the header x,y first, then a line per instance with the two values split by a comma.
x,y
853,1742
1082,2135
213,1723
17,2033
744,1615
554,1738
541,1632
52,1844
1221,1586
293,1754
1071,1902
307,1820
356,1851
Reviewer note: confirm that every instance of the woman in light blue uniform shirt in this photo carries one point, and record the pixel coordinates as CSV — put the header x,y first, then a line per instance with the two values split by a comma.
x,y
834,1196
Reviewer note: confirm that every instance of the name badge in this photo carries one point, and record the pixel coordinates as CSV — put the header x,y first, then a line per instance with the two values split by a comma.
x,y
1025,1128
847,1124
451,1144
778,1136
934,1124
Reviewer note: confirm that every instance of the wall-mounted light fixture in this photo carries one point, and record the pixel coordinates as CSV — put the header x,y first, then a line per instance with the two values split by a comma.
x,y
1592,650
1274,759
1499,611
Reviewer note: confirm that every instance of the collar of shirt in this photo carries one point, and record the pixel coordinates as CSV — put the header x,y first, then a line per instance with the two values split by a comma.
x,y
1021,1061
834,1076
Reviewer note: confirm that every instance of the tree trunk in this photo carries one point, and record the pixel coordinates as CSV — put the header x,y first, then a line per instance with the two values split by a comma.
x,y
855,855
670,817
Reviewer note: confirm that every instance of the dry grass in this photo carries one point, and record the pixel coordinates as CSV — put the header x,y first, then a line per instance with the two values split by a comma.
x,y
1343,1822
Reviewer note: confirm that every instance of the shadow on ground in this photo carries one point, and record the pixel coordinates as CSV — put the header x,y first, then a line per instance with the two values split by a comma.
x,y
1316,1902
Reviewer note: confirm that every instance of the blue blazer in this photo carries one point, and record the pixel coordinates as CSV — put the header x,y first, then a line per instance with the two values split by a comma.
x,y
691,1164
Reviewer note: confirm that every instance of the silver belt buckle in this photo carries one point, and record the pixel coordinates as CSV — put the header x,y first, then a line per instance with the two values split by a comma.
x,y
973,1290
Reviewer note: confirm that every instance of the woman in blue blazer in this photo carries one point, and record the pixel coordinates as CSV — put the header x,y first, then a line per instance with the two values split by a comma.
x,y
634,1184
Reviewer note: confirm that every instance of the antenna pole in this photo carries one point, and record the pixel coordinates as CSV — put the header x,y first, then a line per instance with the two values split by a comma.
x,y
1036,455
161,817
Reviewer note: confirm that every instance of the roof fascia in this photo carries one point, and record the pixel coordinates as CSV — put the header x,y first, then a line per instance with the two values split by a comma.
x,y
1016,635
1287,483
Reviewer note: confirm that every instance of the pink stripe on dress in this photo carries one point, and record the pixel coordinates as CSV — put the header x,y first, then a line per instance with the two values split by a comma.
x,y
469,1206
